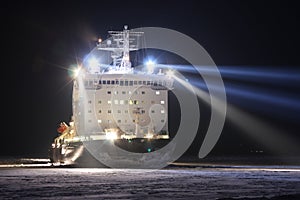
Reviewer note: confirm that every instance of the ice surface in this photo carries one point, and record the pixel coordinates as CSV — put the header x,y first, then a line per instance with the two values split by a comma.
x,y
169,183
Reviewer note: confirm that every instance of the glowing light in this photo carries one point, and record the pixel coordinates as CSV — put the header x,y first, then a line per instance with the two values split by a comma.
x,y
150,63
76,72
150,66
255,128
111,135
149,136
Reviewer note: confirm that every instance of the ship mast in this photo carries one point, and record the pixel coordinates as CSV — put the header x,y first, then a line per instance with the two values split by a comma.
x,y
125,61
120,44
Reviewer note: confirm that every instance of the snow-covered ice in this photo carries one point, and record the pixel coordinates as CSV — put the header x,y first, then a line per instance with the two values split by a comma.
x,y
169,183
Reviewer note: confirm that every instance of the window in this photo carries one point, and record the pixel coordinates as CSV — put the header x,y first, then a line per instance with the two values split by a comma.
x,y
99,121
112,82
119,121
126,111
104,82
99,111
108,92
123,92
89,111
109,102
116,101
108,82
130,83
162,111
135,102
143,92
152,102
162,102
99,101
162,120
157,92
89,101
152,111
126,83
121,102
115,92
109,111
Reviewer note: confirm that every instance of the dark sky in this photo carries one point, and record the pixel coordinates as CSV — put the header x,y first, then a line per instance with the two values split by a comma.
x,y
40,40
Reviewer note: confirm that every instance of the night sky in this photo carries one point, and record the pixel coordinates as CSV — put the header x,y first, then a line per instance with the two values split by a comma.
x,y
41,40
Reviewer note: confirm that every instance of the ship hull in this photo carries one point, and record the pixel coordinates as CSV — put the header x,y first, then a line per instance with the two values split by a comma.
x,y
76,154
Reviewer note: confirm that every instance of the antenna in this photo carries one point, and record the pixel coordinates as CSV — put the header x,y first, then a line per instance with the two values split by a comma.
x,y
120,44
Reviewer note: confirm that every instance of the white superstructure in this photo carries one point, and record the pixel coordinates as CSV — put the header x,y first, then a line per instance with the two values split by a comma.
x,y
114,100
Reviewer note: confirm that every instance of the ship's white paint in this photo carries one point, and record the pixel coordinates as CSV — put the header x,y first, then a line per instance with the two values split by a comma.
x,y
118,98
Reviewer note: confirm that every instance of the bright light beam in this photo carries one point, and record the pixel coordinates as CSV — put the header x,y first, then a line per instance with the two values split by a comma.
x,y
259,99
264,134
270,75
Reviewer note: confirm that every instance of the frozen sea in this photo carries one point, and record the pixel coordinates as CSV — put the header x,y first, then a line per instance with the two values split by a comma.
x,y
25,180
